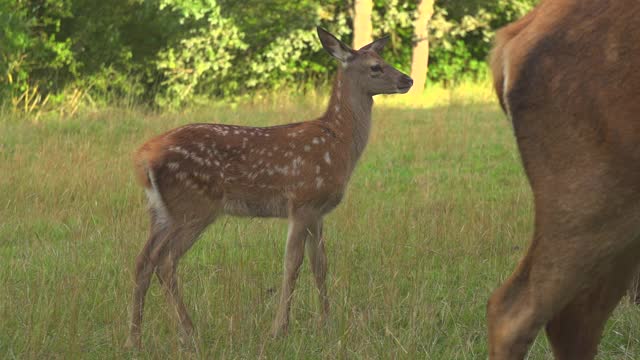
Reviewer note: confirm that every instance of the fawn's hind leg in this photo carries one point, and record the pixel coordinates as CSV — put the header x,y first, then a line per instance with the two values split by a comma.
x,y
142,278
176,222
182,238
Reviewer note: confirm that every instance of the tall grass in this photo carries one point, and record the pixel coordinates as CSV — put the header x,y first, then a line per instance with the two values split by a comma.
x,y
436,216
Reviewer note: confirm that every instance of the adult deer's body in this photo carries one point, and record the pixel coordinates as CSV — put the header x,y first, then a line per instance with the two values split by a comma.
x,y
195,173
567,76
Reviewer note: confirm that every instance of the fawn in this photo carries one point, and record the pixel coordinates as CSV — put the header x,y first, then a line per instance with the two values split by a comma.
x,y
195,173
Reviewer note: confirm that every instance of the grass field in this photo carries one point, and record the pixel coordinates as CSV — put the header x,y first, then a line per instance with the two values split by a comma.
x,y
436,216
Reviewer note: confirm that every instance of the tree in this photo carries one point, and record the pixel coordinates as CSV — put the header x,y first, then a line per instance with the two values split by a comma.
x,y
362,28
420,57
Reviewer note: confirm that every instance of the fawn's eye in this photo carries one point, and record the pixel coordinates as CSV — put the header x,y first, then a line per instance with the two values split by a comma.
x,y
376,68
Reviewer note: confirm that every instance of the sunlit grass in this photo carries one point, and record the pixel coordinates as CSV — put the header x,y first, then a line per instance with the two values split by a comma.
x,y
437,214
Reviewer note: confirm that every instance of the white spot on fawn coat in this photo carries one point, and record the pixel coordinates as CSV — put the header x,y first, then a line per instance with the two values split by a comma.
x,y
327,158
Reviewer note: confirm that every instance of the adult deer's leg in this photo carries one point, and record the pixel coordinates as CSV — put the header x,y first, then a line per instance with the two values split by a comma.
x,y
513,314
300,225
528,299
318,259
142,278
558,267
575,331
634,288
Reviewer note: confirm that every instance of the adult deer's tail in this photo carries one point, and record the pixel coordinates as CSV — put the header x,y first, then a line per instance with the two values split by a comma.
x,y
499,61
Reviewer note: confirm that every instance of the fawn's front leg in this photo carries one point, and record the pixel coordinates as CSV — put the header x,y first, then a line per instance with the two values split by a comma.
x,y
299,228
318,259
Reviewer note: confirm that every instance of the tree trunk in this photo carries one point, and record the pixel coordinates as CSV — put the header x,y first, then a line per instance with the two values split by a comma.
x,y
420,58
362,28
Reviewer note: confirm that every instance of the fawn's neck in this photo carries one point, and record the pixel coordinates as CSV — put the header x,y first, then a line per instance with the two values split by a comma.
x,y
349,113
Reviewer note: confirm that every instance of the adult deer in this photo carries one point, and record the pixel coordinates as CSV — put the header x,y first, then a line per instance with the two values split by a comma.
x,y
567,77
195,173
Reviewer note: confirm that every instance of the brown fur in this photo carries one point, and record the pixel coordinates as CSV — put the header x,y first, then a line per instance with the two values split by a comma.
x,y
572,93
300,171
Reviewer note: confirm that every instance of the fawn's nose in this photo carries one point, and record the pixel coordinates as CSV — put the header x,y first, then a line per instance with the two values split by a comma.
x,y
406,80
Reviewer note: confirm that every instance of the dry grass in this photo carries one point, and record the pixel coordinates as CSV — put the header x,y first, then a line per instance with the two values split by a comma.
x,y
437,214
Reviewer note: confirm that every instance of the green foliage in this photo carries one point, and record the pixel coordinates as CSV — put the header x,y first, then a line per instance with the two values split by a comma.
x,y
31,45
461,36
174,52
284,60
200,62
283,46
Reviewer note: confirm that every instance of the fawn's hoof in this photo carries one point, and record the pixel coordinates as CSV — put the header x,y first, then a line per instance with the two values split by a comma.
x,y
132,344
188,344
279,330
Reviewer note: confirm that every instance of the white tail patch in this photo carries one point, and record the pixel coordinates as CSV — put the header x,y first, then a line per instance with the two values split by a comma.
x,y
155,202
505,86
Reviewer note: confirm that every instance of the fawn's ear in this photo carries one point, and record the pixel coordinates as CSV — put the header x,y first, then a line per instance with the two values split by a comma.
x,y
377,45
335,47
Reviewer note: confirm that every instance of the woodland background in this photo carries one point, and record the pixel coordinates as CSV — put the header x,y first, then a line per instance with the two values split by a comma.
x,y
62,54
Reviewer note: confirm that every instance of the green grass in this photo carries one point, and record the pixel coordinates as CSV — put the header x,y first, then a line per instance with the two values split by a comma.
x,y
436,216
